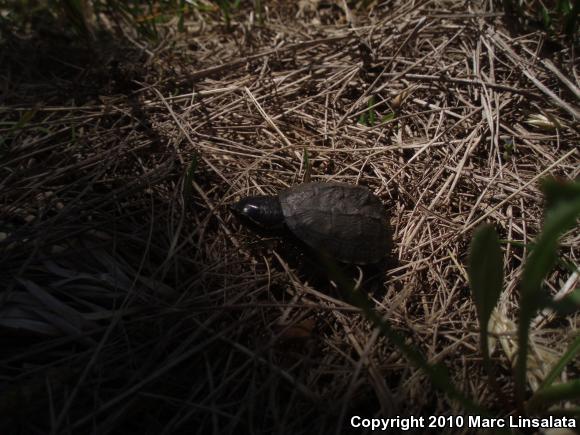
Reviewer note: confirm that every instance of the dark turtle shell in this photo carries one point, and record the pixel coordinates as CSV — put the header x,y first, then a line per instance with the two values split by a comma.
x,y
348,222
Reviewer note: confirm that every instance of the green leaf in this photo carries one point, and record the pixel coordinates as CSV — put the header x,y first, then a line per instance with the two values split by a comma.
x,y
570,25
563,7
388,117
543,256
371,111
181,13
568,356
485,275
555,393
362,119
558,191
541,260
546,19
568,304
225,8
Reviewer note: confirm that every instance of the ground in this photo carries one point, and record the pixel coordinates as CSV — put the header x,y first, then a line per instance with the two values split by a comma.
x,y
133,300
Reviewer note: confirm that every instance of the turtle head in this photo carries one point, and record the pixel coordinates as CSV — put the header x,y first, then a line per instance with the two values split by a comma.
x,y
264,211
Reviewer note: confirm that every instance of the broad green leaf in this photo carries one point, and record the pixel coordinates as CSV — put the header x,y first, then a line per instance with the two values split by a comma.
x,y
558,191
562,217
541,260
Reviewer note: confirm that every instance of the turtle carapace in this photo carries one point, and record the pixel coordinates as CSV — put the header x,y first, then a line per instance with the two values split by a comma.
x,y
345,221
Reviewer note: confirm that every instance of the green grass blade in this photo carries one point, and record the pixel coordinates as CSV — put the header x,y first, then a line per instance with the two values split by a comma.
x,y
570,20
224,6
568,356
555,393
371,111
568,304
388,117
181,13
546,19
485,277
362,119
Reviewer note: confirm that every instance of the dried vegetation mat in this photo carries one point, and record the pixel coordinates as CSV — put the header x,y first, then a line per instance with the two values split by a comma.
x,y
133,300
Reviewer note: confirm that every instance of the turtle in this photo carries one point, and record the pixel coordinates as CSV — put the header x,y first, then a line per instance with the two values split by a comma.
x,y
342,220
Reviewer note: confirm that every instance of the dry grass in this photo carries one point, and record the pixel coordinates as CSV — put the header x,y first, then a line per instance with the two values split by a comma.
x,y
133,300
